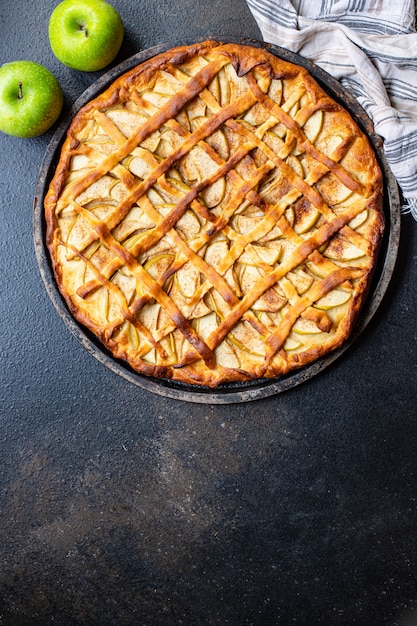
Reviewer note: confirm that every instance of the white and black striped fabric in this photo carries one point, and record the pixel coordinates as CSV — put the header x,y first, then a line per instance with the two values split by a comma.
x,y
370,46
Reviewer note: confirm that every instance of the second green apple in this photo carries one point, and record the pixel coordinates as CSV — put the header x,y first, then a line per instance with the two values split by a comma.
x,y
85,35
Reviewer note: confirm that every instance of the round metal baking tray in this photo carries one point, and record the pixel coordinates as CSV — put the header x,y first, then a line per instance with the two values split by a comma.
x,y
234,392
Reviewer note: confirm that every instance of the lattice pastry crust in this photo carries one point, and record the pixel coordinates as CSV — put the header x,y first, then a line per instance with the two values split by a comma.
x,y
215,216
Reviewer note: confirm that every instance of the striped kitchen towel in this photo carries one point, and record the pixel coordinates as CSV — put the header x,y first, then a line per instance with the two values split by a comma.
x,y
370,46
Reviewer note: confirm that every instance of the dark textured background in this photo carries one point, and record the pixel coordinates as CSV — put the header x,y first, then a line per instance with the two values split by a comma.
x,y
120,507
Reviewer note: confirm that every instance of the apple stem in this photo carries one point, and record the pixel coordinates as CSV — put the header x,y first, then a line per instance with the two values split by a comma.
x,y
85,30
20,94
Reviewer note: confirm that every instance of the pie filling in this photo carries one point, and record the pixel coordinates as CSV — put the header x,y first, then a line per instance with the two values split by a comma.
x,y
215,216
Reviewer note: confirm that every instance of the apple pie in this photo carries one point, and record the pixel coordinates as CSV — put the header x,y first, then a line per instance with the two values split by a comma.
x,y
215,216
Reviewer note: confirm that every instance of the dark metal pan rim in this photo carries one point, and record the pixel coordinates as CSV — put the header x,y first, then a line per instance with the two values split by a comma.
x,y
234,392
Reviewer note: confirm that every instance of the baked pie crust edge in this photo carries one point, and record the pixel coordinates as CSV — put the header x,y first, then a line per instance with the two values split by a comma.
x,y
223,229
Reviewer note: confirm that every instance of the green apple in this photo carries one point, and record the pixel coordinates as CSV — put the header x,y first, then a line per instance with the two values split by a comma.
x,y
30,99
85,35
